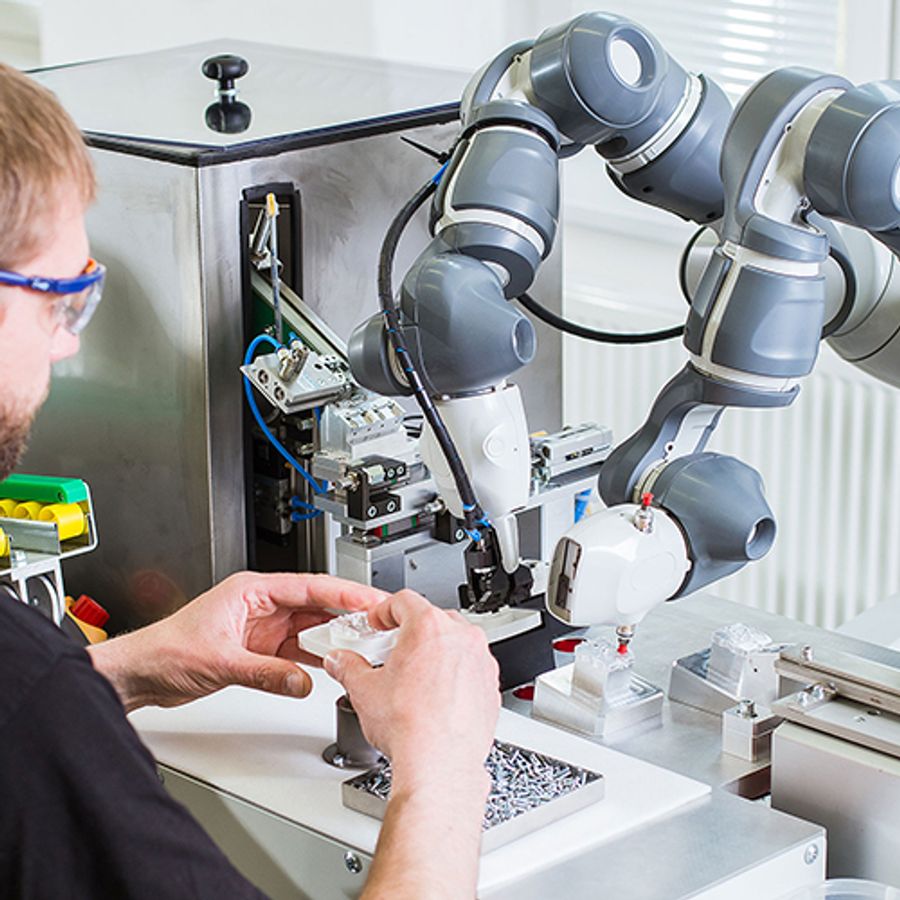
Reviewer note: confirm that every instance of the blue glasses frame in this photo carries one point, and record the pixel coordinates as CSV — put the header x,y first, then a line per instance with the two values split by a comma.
x,y
79,296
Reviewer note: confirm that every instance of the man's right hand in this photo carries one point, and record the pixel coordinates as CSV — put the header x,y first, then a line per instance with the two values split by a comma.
x,y
432,708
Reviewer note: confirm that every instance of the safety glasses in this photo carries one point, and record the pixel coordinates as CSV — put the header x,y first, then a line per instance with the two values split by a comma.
x,y
78,296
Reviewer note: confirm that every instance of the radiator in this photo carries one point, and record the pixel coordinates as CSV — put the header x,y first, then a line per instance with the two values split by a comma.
x,y
828,463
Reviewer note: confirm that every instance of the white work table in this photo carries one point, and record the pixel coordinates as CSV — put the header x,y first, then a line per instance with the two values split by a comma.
x,y
249,766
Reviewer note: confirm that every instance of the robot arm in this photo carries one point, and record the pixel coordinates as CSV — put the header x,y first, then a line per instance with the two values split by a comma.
x,y
599,80
799,142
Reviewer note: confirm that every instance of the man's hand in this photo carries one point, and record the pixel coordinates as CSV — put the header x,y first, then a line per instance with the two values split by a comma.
x,y
432,709
435,699
242,631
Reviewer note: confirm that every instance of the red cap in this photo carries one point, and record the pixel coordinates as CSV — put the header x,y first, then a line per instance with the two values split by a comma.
x,y
646,499
89,611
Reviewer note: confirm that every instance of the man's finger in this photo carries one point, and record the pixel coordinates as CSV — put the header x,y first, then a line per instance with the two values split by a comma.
x,y
397,609
270,674
348,668
322,591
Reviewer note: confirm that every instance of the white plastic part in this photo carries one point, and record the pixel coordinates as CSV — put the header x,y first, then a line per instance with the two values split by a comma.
x,y
491,435
607,572
505,623
349,632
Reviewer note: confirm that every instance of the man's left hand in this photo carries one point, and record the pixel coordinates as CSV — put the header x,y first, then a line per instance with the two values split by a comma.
x,y
242,631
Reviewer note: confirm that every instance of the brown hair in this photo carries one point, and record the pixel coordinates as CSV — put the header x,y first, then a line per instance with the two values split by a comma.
x,y
41,151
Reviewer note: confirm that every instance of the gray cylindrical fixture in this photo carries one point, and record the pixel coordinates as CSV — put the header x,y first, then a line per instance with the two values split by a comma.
x,y
351,750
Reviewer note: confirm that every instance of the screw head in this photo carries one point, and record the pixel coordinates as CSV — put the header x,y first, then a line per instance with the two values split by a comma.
x,y
811,854
460,534
353,862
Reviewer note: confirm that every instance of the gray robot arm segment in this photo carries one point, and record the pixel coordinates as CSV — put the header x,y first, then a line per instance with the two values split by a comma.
x,y
851,166
852,175
607,81
494,217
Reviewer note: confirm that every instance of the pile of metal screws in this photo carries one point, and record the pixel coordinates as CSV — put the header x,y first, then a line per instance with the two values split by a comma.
x,y
521,780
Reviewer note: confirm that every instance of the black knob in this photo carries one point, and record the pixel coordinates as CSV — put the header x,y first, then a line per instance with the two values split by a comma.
x,y
225,68
228,116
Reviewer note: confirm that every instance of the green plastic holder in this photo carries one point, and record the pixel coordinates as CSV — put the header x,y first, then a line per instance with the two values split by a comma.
x,y
44,489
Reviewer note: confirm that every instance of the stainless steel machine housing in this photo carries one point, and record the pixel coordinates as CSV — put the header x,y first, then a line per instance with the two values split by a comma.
x,y
151,411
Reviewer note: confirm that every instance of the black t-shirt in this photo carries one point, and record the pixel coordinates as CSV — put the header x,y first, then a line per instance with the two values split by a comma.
x,y
82,811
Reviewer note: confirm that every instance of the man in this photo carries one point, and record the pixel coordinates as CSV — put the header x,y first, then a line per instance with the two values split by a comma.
x,y
82,813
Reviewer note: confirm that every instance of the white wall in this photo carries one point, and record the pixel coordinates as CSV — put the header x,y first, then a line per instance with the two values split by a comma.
x,y
459,35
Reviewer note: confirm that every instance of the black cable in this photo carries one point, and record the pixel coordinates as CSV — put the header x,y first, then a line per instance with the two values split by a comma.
x,y
590,334
682,265
850,288
472,511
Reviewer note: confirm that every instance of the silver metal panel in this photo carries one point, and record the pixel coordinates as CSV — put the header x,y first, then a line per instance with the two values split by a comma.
x,y
285,861
852,791
722,847
128,414
871,677
847,719
161,97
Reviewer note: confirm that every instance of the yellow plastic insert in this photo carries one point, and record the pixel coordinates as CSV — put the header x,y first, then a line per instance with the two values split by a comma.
x,y
69,517
31,509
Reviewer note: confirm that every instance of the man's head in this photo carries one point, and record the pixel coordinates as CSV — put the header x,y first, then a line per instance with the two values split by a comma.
x,y
46,182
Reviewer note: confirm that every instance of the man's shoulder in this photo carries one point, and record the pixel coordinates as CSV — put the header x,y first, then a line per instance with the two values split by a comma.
x,y
30,646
